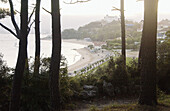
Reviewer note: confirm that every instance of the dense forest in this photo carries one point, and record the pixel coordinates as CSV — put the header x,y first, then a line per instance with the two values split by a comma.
x,y
120,83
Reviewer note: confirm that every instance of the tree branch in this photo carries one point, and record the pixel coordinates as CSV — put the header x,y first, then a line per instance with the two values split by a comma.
x,y
115,9
29,28
46,10
17,11
13,18
78,1
9,30
29,20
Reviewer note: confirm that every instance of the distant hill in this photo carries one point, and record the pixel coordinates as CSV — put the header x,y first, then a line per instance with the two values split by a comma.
x,y
49,37
100,30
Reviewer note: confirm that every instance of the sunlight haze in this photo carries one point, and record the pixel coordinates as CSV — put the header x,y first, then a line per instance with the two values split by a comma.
x,y
98,7
76,15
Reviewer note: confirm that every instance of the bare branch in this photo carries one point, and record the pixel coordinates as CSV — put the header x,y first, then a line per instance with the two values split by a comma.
x,y
46,10
6,28
17,11
13,18
115,9
29,28
78,1
29,20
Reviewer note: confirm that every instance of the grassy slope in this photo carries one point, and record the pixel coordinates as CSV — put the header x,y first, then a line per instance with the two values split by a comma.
x,y
163,105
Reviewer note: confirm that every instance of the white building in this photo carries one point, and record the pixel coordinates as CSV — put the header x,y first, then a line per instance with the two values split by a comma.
x,y
109,19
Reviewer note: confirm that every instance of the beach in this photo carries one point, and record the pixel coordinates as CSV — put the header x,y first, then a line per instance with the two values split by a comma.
x,y
88,57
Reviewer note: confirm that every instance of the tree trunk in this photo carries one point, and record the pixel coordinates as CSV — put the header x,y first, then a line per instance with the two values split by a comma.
x,y
26,70
37,38
123,33
148,54
56,56
139,56
22,56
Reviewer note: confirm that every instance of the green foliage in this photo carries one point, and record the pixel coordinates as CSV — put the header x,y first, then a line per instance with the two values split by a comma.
x,y
4,12
163,65
35,93
93,108
36,88
118,76
5,85
168,34
160,94
70,34
91,46
133,71
131,43
101,31
65,86
124,81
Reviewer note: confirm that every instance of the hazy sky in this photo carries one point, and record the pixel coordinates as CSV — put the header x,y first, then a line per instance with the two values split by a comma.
x,y
103,7
98,7
75,15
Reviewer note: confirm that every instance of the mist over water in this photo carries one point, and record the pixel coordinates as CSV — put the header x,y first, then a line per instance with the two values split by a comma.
x,y
9,48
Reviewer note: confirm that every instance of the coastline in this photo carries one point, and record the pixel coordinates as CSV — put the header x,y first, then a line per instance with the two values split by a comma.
x,y
87,57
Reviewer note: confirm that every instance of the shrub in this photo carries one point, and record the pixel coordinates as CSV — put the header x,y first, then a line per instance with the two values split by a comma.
x,y
5,85
163,65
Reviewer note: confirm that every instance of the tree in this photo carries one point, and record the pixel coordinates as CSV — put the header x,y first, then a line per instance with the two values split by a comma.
x,y
56,56
123,35
123,32
22,57
37,37
148,54
21,34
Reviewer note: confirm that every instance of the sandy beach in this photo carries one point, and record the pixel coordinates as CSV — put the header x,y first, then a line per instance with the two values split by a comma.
x,y
88,57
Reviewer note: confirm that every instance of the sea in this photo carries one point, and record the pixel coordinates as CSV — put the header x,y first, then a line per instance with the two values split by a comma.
x,y
9,49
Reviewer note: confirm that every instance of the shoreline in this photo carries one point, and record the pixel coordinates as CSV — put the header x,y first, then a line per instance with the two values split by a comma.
x,y
88,57
85,59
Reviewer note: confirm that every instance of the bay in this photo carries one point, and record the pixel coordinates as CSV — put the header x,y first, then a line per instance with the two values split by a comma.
x,y
9,49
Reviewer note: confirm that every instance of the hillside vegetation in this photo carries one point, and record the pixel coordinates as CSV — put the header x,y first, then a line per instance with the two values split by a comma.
x,y
102,31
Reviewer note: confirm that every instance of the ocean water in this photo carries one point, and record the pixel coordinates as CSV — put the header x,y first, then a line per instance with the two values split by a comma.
x,y
9,49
